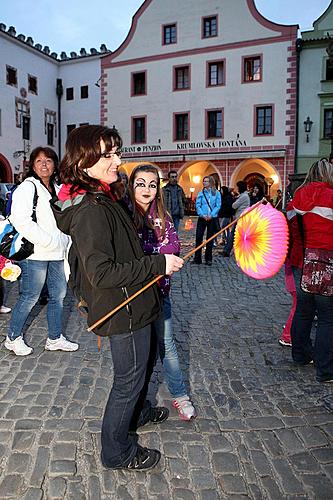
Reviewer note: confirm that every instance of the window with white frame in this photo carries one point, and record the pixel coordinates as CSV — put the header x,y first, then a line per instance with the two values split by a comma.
x,y
209,26
252,69
264,120
169,34
214,123
181,126
181,78
215,76
22,108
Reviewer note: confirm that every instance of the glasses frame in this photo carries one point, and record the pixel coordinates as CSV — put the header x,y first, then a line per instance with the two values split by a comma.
x,y
109,155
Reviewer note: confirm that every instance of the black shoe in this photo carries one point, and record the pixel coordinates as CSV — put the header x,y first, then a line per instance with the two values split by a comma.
x,y
195,262
303,363
144,459
158,414
208,263
324,379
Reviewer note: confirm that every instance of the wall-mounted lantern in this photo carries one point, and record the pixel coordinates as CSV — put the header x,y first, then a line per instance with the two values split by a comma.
x,y
307,127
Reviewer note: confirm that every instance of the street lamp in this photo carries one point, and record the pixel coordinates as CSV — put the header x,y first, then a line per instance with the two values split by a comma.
x,y
192,189
307,127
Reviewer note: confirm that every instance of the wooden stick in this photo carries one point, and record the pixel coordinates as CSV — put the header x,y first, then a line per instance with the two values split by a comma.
x,y
132,297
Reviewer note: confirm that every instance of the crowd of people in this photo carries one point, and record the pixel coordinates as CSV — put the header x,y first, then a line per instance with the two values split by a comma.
x,y
114,234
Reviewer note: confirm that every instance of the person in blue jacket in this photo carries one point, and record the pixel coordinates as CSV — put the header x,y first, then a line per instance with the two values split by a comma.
x,y
208,204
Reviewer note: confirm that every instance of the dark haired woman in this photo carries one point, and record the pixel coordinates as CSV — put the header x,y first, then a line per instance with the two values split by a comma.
x,y
108,265
46,264
158,235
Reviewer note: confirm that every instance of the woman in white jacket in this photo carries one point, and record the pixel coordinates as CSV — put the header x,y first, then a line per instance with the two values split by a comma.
x,y
46,264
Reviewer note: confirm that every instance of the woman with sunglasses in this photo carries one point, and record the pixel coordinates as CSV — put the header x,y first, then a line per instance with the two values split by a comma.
x,y
108,266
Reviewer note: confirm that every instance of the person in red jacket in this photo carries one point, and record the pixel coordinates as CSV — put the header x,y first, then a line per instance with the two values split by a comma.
x,y
313,201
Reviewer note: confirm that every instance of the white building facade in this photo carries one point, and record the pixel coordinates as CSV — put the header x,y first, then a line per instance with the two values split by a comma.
x,y
315,107
42,97
205,87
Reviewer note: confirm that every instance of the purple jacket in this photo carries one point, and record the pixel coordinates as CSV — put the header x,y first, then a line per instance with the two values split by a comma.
x,y
153,243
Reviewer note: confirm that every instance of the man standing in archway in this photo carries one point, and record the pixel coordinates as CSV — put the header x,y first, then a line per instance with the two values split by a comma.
x,y
174,198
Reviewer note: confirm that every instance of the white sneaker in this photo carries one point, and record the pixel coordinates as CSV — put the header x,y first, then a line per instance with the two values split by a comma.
x,y
18,346
185,408
61,344
5,310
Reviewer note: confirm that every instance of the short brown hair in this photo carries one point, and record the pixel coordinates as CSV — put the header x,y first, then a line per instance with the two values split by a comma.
x,y
83,150
49,153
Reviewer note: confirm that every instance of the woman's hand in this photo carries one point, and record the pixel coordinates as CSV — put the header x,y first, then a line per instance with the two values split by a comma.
x,y
172,264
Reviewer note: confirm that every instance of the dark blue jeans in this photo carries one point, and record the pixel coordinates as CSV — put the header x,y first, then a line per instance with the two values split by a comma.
x,y
212,228
308,305
176,222
130,354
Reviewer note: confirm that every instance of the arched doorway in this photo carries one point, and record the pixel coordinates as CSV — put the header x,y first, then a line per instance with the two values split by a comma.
x,y
192,173
6,174
258,171
128,167
190,178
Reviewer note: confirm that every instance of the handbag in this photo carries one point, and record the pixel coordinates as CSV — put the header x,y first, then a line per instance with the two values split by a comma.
x,y
317,272
12,245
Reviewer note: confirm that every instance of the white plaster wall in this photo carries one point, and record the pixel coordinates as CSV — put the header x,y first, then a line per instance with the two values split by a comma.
x,y
26,62
310,76
235,23
76,74
236,98
83,71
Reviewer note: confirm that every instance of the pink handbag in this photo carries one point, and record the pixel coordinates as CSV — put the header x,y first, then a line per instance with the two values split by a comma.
x,y
317,276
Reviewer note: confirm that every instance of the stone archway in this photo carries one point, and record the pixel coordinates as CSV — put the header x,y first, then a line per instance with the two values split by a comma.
x,y
6,174
262,170
190,176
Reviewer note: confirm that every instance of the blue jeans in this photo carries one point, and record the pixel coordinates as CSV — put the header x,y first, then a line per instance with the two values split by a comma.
x,y
168,352
130,354
34,274
230,240
302,350
176,221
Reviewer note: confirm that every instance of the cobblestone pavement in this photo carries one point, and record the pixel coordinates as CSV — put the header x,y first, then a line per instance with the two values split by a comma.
x,y
264,428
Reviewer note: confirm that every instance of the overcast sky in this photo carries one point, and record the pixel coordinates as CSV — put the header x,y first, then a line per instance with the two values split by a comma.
x,y
68,25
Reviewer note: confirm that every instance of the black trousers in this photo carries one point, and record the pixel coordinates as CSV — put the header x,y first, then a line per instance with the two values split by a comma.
x,y
212,227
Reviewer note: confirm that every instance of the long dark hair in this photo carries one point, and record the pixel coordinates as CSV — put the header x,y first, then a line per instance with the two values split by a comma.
x,y
141,218
83,150
49,153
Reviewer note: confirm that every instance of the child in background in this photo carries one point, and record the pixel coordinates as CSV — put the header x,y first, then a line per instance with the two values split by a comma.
x,y
294,258
158,235
285,338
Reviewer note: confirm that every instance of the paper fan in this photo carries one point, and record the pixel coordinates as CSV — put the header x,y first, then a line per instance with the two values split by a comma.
x,y
261,242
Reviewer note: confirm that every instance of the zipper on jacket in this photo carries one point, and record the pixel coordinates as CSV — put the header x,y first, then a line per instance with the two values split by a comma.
x,y
128,307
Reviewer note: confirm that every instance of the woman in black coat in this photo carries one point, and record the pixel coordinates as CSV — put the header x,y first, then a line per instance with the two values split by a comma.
x,y
107,266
